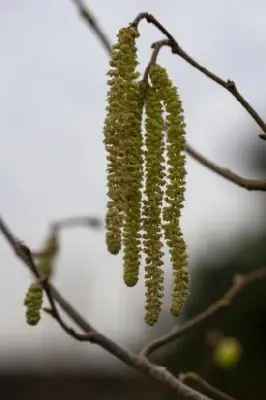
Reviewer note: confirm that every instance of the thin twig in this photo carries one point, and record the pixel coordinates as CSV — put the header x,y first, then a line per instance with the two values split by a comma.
x,y
138,362
156,49
93,24
69,222
249,184
78,221
229,85
211,389
239,284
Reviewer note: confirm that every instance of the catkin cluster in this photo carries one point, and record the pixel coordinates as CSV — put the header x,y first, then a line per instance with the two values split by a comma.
x,y
145,174
45,265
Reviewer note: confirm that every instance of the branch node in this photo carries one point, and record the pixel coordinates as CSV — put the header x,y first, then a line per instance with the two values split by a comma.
x,y
224,303
139,17
230,85
238,280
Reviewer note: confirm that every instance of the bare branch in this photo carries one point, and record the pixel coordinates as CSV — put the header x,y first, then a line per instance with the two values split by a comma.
x,y
156,49
69,222
78,221
93,24
249,184
239,284
192,376
138,362
229,85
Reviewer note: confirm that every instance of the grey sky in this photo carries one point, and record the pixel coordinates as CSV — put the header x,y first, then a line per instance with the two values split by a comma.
x,y
52,160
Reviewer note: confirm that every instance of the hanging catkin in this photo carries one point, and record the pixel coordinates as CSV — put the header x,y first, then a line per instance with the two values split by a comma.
x,y
175,188
33,303
45,261
145,174
123,142
152,205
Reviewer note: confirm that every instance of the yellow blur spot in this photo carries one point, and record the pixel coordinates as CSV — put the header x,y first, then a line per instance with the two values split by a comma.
x,y
228,352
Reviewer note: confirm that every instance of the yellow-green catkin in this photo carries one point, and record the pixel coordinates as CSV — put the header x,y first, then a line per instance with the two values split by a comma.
x,y
175,186
123,143
133,181
33,303
152,205
45,260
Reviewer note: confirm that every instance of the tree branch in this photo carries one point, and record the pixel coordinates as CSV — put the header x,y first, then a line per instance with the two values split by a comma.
x,y
135,361
69,222
93,24
78,221
192,376
249,184
229,85
240,283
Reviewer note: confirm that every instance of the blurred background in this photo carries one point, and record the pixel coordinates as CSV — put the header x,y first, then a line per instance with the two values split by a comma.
x,y
52,165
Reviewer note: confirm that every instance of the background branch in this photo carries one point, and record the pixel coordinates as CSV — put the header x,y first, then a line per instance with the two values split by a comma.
x,y
135,361
240,283
78,221
192,376
93,24
69,222
249,184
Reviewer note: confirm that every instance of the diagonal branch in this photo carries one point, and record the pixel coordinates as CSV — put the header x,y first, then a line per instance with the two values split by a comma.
x,y
93,24
240,283
229,85
249,184
135,361
192,376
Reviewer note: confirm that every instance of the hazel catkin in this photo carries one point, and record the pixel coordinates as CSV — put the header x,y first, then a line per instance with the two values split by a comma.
x,y
175,186
152,205
133,183
33,303
123,142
